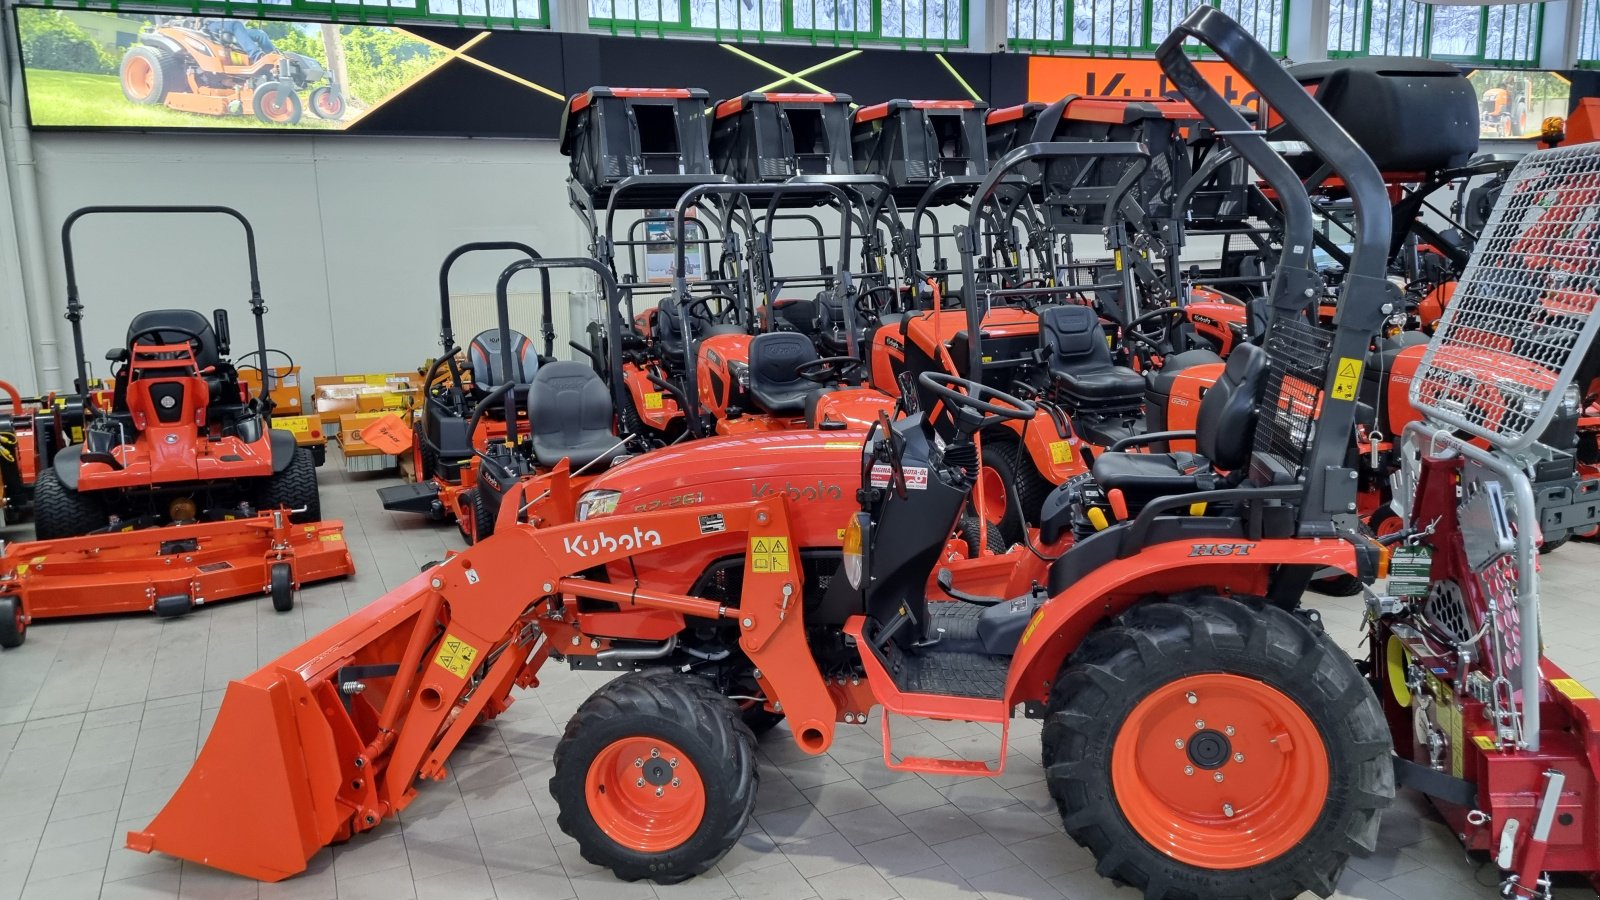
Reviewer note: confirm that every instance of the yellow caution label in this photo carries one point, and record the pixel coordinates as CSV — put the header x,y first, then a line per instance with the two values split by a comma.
x,y
299,425
1484,742
332,538
1347,379
375,380
1197,509
456,655
1116,257
23,569
1061,452
1571,689
841,445
1032,624
840,535
769,554
652,400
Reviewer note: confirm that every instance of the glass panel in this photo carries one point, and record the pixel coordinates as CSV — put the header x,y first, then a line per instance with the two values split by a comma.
x,y
1108,23
1396,28
1589,31
1455,30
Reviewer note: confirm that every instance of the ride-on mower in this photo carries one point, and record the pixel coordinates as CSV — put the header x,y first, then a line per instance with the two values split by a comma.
x,y
180,440
1203,737
197,66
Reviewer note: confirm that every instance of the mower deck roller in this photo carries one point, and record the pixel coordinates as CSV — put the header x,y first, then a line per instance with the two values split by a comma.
x,y
334,736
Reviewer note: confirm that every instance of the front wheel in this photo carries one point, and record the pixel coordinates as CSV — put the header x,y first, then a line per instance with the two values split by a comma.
x,y
327,102
13,624
295,488
1213,747
655,777
276,103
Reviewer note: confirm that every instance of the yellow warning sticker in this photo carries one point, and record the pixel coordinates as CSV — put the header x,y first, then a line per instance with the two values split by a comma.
x,y
1032,624
1116,256
769,554
1347,379
456,655
652,400
841,445
1484,742
1571,689
1061,452
840,535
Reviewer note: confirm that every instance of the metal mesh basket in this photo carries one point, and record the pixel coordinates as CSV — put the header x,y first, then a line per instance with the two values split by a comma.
x,y
1297,359
1521,319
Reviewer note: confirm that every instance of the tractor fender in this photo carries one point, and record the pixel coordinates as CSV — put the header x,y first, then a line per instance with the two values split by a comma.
x,y
283,447
163,42
1227,565
1057,457
67,463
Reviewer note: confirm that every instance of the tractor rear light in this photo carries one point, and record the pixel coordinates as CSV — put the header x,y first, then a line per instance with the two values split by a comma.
x,y
854,549
1385,553
597,503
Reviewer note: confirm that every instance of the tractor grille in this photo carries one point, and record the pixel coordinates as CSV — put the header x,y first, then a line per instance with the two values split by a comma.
x,y
1522,317
1297,359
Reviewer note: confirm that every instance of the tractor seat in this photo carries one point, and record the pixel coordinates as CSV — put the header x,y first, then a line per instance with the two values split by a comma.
x,y
487,364
774,386
570,415
673,328
1079,360
1224,433
187,319
792,315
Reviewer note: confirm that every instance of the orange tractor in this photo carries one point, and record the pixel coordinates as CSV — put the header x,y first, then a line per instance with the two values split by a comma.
x,y
1202,735
204,66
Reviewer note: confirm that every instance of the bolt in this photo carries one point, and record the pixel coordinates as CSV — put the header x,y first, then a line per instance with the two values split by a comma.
x,y
437,584
1217,777
1199,723
639,783
594,643
1228,730
372,819
576,640
1188,770
658,792
1178,743
673,762
655,753
638,763
361,761
1227,810
756,673
749,622
1192,698
548,587
1238,757
762,517
674,782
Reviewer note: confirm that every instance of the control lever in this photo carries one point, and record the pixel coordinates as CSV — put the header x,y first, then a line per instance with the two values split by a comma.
x,y
946,583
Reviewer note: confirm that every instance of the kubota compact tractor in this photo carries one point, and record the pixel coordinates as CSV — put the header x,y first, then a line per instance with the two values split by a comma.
x,y
1202,736
180,439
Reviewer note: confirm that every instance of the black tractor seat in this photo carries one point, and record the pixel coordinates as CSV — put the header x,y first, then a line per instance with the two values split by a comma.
x,y
1078,359
774,359
487,364
673,328
570,415
149,324
1224,434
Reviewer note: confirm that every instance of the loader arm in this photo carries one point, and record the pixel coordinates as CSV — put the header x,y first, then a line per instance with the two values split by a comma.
x,y
334,736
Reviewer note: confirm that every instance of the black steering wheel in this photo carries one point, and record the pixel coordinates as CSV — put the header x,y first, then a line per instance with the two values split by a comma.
x,y
1135,331
832,369
944,387
867,306
700,308
194,339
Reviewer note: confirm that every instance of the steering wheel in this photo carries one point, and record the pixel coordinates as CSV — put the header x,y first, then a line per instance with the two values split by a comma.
x,y
832,369
194,339
867,306
1134,330
700,308
944,386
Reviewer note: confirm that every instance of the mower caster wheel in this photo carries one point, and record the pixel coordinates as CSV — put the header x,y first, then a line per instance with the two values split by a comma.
x,y
655,777
1551,546
172,606
282,587
13,624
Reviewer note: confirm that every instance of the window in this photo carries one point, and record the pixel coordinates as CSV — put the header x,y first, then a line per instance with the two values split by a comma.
x,y
1506,35
1589,34
920,23
1130,26
482,13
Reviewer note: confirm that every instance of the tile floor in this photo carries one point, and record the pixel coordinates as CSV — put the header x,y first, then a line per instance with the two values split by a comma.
x,y
100,719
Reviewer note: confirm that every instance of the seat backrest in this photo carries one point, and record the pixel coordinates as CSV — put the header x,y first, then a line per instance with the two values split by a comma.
x,y
488,365
774,357
1226,426
568,407
1073,338
794,315
830,311
188,320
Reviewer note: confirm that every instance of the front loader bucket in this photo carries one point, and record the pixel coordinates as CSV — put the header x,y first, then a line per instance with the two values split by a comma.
x,y
260,800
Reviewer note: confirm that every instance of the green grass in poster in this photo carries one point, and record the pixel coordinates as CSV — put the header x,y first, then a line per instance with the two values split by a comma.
x,y
76,99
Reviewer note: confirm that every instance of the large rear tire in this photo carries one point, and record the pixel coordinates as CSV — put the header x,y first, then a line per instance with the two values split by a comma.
x,y
61,512
1217,748
1000,474
295,488
655,777
149,74
485,509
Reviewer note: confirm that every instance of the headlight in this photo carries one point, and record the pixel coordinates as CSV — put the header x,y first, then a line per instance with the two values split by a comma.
x,y
597,503
854,549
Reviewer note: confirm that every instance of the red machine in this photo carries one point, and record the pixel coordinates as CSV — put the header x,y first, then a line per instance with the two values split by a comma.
x,y
181,439
20,448
167,571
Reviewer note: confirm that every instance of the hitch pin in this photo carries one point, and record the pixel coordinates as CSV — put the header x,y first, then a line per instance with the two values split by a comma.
x,y
783,608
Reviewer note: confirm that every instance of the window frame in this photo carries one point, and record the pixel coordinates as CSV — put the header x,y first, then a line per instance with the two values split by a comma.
x,y
787,29
1480,57
1147,42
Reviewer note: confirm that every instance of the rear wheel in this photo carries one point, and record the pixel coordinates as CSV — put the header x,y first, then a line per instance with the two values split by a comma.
x,y
1212,747
294,488
1002,505
969,529
485,508
276,103
148,74
655,777
61,512
13,630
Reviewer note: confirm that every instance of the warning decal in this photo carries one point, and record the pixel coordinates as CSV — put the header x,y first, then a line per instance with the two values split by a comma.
x,y
1060,452
1347,379
769,554
456,655
1571,689
652,400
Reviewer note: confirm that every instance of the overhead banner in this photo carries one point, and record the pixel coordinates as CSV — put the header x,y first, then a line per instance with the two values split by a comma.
x,y
1513,103
1052,77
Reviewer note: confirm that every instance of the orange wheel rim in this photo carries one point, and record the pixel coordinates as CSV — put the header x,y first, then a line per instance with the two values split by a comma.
x,y
1390,525
645,794
1220,771
277,106
994,496
141,76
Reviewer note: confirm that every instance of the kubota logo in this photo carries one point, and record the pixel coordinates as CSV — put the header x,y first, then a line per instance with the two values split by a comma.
x,y
601,542
1220,549
800,493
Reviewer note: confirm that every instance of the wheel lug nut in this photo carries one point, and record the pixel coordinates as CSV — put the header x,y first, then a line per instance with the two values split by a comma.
x,y
1217,777
638,763
1178,743
1228,731
1191,697
1238,757
655,753
1227,810
674,782
658,792
1199,723
1188,770
673,762
639,783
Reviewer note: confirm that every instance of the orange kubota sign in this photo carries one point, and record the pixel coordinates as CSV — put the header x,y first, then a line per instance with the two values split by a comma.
x,y
1052,77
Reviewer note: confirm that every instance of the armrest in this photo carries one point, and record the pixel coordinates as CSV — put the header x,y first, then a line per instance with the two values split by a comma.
x,y
1150,438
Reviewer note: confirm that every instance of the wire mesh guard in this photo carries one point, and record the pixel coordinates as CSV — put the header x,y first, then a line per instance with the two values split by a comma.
x,y
1520,322
1297,359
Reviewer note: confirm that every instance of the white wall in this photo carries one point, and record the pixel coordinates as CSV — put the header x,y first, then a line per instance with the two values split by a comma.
x,y
350,230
